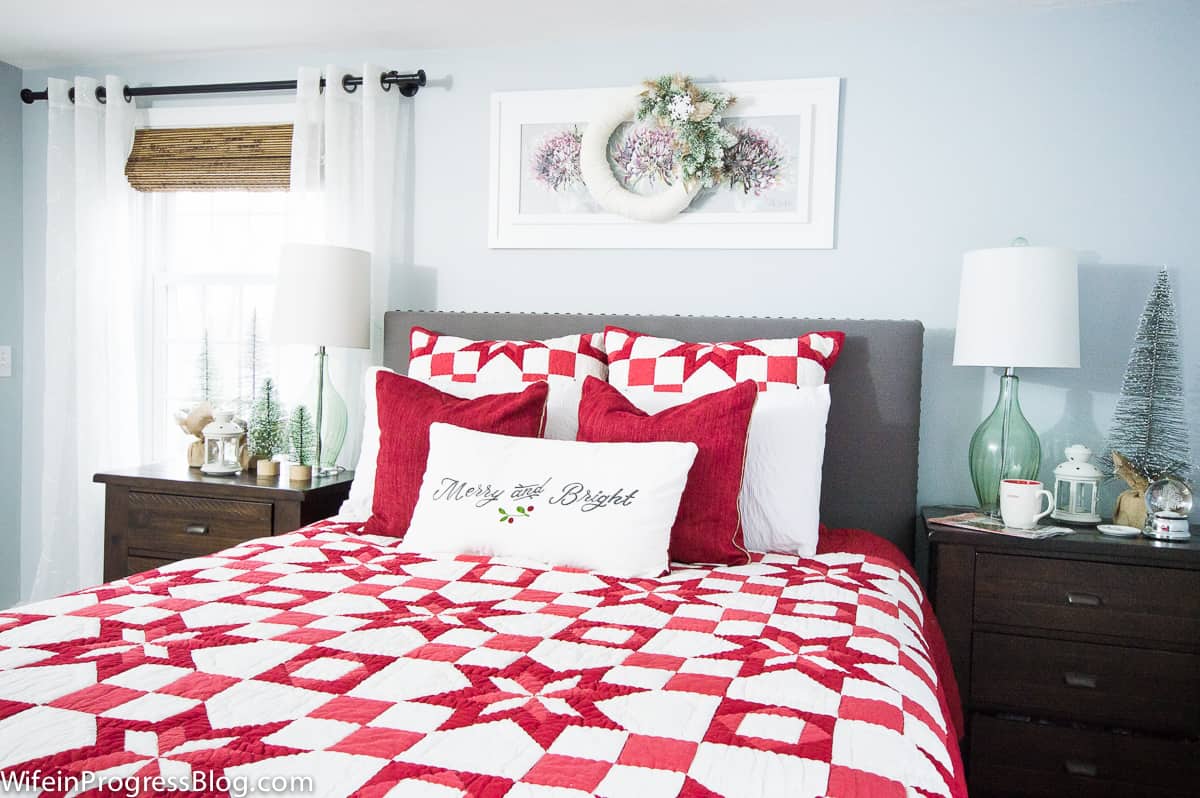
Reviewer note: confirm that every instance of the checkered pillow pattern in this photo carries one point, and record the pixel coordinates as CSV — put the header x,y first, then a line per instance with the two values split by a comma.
x,y
646,363
470,368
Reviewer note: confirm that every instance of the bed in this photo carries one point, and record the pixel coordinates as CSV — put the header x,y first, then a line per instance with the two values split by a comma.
x,y
329,662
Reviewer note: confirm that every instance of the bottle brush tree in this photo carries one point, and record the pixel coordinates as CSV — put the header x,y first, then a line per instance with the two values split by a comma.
x,y
253,365
1149,426
302,436
208,378
267,431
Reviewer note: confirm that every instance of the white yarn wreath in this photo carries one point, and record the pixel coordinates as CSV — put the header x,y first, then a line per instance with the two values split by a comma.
x,y
603,185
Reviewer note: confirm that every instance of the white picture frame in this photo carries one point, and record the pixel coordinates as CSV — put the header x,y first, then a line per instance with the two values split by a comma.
x,y
797,212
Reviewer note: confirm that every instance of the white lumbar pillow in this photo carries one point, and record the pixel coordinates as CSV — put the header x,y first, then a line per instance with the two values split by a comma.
x,y
780,501
605,507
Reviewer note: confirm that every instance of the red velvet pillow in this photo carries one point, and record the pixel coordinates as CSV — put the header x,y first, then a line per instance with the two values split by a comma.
x,y
406,408
708,528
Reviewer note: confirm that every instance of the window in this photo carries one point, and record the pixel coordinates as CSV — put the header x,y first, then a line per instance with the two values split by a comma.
x,y
214,257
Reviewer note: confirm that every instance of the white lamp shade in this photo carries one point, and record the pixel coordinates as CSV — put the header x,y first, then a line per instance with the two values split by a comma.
x,y
1018,306
323,296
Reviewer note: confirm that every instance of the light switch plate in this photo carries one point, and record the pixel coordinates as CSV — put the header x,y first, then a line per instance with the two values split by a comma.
x,y
5,361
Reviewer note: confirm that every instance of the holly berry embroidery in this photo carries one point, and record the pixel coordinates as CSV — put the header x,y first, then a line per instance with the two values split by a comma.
x,y
520,512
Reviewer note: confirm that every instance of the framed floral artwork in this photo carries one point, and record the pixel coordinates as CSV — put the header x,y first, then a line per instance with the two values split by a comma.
x,y
778,188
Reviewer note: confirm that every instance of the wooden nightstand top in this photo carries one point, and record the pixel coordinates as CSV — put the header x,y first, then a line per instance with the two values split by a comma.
x,y
158,514
168,477
1085,541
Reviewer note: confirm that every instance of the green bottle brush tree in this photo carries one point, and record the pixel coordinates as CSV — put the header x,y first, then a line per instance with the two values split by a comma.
x,y
267,431
302,439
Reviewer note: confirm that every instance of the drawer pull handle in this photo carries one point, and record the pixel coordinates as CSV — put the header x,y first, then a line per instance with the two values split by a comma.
x,y
1085,681
1077,768
196,529
1083,599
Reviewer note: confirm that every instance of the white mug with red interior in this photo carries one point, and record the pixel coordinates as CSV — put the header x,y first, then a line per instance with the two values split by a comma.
x,y
1021,502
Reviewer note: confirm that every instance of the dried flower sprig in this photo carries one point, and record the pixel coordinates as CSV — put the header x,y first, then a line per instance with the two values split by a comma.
x,y
694,115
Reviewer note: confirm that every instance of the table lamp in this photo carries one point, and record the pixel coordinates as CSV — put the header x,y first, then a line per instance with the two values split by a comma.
x,y
1018,307
323,298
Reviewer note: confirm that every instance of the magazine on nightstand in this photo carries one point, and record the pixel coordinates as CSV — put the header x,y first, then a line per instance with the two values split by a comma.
x,y
980,522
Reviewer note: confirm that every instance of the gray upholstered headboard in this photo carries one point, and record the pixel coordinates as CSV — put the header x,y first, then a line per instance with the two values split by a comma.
x,y
870,473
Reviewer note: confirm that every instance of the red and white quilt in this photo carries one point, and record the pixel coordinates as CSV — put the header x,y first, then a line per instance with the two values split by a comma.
x,y
329,655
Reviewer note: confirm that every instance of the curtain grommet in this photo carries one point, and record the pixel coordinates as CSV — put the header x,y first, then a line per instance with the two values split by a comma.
x,y
349,85
128,94
101,95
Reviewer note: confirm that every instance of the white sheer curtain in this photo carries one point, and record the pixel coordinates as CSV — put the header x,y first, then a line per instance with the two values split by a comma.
x,y
94,283
349,165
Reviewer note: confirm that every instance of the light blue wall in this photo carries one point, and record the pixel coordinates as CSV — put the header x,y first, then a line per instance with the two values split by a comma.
x,y
1073,127
10,330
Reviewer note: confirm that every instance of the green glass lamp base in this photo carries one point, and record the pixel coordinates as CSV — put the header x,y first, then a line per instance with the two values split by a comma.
x,y
1004,446
334,418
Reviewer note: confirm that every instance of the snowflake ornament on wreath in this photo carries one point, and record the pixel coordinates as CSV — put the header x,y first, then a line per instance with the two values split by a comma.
x,y
692,114
681,108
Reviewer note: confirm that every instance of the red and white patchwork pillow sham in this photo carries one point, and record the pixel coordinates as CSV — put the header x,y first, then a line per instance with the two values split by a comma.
x,y
780,496
638,362
473,368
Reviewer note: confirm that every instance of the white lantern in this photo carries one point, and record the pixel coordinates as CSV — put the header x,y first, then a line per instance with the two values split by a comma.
x,y
223,445
1077,487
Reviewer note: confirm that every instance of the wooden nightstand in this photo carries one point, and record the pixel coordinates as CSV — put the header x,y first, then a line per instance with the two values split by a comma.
x,y
158,514
1078,659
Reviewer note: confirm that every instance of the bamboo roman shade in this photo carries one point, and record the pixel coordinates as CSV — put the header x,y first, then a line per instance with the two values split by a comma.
x,y
251,158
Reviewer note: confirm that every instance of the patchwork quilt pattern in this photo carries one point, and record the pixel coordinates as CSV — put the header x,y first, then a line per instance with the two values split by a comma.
x,y
329,654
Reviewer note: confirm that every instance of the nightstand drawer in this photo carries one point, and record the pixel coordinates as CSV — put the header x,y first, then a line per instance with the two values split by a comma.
x,y
1088,597
1155,690
193,525
137,565
1011,758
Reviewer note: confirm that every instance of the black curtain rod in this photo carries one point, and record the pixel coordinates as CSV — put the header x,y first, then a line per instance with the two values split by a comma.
x,y
408,83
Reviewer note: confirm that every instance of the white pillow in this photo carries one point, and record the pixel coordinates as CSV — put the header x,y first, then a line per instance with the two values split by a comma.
x,y
605,507
358,504
780,500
